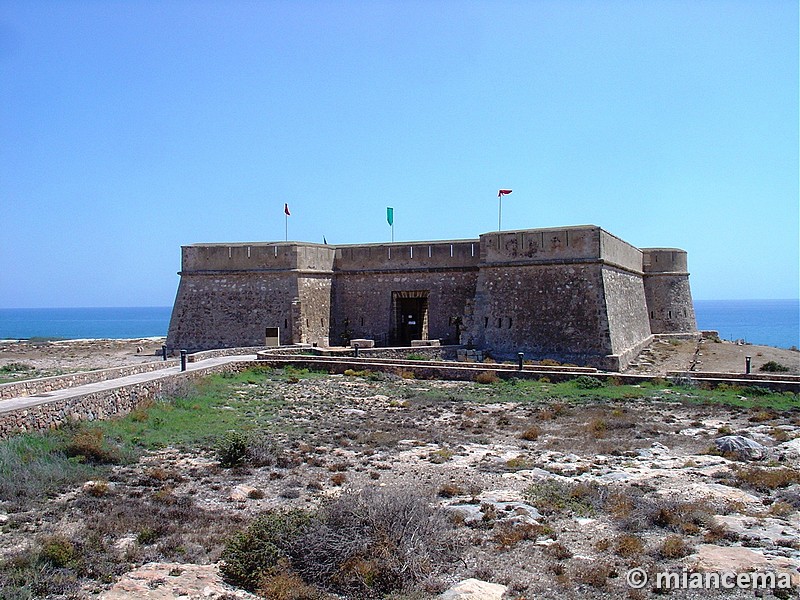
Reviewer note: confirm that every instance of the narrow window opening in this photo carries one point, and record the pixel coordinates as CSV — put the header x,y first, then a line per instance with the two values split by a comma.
x,y
286,323
322,322
486,321
307,323
451,250
362,321
276,251
670,314
500,322
390,253
472,249
248,252
429,251
652,315
509,322
411,251
230,252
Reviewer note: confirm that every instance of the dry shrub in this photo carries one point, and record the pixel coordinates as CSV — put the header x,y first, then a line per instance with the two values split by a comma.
x,y
595,573
89,445
674,546
558,551
338,479
531,434
781,509
487,377
281,583
449,490
373,542
597,427
765,479
761,416
508,534
628,546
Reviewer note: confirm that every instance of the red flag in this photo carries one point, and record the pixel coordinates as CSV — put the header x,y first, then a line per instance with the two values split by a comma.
x,y
286,210
501,193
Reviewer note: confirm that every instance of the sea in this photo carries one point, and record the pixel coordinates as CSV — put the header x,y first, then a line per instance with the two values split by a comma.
x,y
768,322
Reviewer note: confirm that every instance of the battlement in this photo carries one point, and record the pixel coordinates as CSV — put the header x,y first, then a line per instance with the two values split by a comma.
x,y
257,256
408,256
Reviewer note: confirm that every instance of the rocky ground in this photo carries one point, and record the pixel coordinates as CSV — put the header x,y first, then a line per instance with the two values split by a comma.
x,y
551,500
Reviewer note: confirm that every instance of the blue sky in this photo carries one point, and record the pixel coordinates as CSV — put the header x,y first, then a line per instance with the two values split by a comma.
x,y
130,128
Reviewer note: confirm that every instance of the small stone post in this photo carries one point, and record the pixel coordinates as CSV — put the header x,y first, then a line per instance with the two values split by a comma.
x,y
164,352
747,363
355,350
520,358
183,360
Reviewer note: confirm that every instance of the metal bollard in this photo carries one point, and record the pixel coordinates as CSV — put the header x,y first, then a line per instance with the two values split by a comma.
x,y
520,358
747,360
355,350
164,352
183,360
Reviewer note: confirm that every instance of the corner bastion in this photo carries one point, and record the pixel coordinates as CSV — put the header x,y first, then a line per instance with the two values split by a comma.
x,y
573,294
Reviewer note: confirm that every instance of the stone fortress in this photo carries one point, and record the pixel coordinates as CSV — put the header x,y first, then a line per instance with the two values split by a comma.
x,y
574,294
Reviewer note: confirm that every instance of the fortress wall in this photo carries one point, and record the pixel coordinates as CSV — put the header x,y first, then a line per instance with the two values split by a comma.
x,y
626,310
541,245
315,308
408,256
667,291
364,300
546,311
232,309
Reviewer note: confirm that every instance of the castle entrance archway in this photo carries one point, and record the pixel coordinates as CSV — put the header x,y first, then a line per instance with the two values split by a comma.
x,y
410,316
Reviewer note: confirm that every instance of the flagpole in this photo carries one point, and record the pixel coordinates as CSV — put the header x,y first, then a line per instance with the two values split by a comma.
x,y
286,218
499,212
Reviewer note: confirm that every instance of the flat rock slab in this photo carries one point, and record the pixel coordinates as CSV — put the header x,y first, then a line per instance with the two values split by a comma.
x,y
474,589
737,559
174,581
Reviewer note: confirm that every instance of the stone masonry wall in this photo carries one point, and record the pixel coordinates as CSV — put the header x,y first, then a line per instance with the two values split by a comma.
x,y
362,302
232,309
625,307
555,312
100,405
315,307
42,385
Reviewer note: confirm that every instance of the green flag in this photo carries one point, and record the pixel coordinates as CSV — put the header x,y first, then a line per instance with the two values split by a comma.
x,y
390,215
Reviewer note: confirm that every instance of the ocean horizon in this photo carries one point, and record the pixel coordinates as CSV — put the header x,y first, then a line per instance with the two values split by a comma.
x,y
767,322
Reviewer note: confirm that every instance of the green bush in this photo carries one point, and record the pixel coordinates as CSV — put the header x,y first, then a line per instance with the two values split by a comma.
x,y
58,551
251,554
773,367
232,450
585,382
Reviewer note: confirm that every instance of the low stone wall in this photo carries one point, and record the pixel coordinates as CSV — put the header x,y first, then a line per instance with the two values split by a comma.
x,y
42,385
104,405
